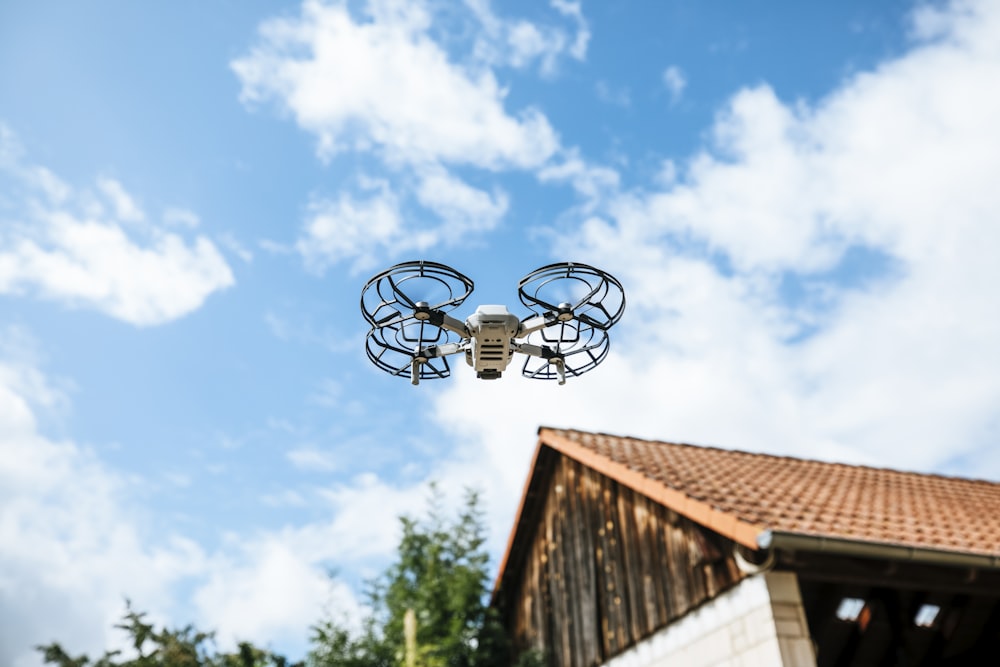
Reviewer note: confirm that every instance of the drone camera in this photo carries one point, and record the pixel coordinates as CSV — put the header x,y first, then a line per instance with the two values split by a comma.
x,y
411,337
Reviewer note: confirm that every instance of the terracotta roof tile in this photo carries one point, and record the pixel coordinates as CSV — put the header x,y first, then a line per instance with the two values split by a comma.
x,y
742,494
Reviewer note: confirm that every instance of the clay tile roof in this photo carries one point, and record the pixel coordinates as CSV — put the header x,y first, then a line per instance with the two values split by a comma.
x,y
741,495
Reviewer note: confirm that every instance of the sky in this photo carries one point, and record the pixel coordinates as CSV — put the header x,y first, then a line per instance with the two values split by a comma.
x,y
800,200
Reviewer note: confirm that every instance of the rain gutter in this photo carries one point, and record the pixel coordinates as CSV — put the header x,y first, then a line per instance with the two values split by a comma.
x,y
776,539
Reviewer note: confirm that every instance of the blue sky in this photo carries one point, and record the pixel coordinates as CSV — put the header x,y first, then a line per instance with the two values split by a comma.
x,y
799,198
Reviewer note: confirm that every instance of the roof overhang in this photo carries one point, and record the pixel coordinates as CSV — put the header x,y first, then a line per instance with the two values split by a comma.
x,y
781,540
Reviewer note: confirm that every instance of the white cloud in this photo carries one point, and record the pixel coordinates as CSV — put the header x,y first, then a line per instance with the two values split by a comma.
x,y
313,459
181,217
61,244
355,228
573,10
286,498
233,245
520,43
91,263
898,369
675,81
74,543
617,96
275,585
329,394
365,521
48,183
386,83
70,549
898,160
592,182
269,591
462,208
381,80
367,227
125,208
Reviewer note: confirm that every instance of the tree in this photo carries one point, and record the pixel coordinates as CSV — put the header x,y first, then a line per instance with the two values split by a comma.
x,y
441,574
184,647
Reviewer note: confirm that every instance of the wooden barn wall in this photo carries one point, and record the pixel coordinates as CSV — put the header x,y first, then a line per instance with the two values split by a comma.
x,y
607,567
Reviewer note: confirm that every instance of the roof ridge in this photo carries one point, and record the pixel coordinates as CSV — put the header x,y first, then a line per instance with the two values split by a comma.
x,y
785,457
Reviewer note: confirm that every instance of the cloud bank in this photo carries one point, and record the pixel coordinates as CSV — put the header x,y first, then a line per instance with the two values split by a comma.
x,y
817,281
381,82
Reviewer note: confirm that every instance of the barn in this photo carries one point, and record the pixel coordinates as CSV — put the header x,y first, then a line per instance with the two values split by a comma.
x,y
637,553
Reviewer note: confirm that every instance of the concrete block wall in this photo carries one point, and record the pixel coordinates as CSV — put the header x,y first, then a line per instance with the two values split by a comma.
x,y
791,627
758,623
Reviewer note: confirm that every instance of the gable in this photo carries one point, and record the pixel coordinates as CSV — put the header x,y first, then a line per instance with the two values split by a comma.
x,y
600,566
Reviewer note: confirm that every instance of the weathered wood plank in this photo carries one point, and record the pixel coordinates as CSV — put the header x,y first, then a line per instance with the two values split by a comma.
x,y
606,567
631,590
585,612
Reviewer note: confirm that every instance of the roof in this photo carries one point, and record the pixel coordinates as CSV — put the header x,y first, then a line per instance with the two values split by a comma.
x,y
745,496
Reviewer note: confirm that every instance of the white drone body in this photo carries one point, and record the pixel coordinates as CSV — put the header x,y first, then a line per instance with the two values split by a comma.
x,y
490,337
413,337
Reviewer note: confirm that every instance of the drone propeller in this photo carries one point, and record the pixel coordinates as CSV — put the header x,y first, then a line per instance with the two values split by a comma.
x,y
399,303
577,304
396,294
394,348
573,349
570,290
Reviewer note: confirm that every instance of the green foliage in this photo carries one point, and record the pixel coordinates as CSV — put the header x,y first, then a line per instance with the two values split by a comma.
x,y
185,647
441,573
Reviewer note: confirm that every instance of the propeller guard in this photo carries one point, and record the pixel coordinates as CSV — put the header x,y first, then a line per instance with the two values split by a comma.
x,y
576,347
574,291
394,347
397,293
573,305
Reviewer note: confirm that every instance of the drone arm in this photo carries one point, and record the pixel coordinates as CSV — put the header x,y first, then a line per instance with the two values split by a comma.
x,y
533,350
436,351
451,324
534,324
441,319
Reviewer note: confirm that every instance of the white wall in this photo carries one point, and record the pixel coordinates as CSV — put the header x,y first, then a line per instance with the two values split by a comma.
x,y
758,623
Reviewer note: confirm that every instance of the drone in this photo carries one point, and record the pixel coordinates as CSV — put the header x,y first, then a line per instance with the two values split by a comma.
x,y
572,307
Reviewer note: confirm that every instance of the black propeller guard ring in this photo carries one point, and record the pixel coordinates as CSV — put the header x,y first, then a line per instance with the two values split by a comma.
x,y
393,350
600,299
385,301
578,346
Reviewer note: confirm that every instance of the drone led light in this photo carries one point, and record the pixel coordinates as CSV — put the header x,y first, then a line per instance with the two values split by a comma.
x,y
572,307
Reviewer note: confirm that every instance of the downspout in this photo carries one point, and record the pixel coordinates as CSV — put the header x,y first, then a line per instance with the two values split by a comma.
x,y
747,566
